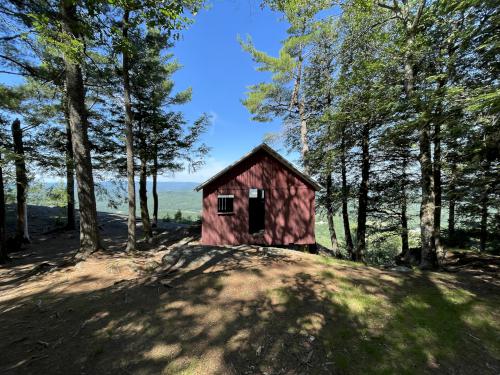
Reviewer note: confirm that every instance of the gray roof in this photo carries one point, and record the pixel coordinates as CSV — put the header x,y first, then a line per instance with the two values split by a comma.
x,y
271,152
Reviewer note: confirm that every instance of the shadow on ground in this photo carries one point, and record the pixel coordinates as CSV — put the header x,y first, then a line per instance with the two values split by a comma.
x,y
54,247
253,311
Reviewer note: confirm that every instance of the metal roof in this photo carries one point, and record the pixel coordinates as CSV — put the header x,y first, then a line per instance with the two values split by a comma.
x,y
271,152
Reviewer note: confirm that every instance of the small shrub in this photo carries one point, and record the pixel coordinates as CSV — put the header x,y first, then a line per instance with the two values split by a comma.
x,y
178,216
382,249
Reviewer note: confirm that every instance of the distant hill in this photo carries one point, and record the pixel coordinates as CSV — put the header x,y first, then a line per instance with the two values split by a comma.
x,y
172,196
162,185
111,196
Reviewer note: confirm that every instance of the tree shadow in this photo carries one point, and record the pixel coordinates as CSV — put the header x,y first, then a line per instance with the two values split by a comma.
x,y
248,311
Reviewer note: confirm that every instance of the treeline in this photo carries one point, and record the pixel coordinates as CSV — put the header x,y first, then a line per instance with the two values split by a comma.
x,y
392,104
97,102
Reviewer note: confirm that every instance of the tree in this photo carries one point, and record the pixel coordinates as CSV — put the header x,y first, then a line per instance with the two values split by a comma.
x,y
167,18
409,16
22,234
3,250
60,28
129,137
318,88
284,97
14,106
77,111
163,141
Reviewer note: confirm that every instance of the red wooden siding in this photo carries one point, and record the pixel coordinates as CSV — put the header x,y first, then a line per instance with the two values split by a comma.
x,y
289,204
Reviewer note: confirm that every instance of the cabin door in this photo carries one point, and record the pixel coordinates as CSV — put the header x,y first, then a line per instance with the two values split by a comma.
x,y
256,210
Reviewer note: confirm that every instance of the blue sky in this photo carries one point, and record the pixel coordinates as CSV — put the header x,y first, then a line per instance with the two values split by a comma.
x,y
219,72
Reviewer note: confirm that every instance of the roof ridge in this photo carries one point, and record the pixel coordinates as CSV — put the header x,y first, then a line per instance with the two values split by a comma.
x,y
273,153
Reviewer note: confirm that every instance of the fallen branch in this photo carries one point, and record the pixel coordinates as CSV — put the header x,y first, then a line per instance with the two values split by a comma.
x,y
26,361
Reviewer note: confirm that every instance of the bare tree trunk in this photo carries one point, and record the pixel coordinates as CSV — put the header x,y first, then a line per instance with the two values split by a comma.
x,y
451,207
89,230
299,104
330,215
437,190
427,208
70,176
303,137
345,198
143,197
154,172
3,250
22,234
404,219
483,235
129,140
451,222
484,229
363,195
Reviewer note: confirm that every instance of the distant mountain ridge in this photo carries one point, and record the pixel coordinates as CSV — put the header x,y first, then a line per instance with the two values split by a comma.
x,y
162,185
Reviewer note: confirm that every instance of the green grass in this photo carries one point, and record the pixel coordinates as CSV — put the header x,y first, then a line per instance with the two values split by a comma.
x,y
368,321
403,324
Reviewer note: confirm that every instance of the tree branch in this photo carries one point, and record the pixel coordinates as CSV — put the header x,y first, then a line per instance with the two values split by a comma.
x,y
420,10
27,68
12,37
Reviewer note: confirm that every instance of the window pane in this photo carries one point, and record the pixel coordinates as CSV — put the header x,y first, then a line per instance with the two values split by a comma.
x,y
225,203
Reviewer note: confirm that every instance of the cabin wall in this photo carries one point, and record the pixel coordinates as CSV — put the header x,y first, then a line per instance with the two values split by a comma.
x,y
289,205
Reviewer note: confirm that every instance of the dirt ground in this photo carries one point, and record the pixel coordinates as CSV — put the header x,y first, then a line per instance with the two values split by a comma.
x,y
237,310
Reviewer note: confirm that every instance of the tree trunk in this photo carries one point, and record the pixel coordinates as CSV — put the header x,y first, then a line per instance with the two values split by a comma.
x,y
484,228
412,27
345,199
330,215
3,250
89,230
303,138
483,235
154,172
70,177
429,259
143,196
129,139
437,189
22,234
299,104
404,219
363,195
451,207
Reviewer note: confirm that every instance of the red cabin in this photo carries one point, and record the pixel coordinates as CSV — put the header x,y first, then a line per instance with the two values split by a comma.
x,y
260,199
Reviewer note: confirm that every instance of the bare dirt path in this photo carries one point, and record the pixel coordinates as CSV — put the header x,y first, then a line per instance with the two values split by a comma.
x,y
237,310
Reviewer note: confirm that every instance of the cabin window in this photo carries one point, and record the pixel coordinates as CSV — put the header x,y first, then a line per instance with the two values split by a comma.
x,y
225,204
256,211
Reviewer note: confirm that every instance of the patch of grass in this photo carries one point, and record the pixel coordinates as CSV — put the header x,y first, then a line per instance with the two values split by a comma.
x,y
329,261
408,325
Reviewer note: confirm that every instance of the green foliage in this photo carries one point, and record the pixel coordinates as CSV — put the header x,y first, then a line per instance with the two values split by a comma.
x,y
41,194
178,216
283,97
